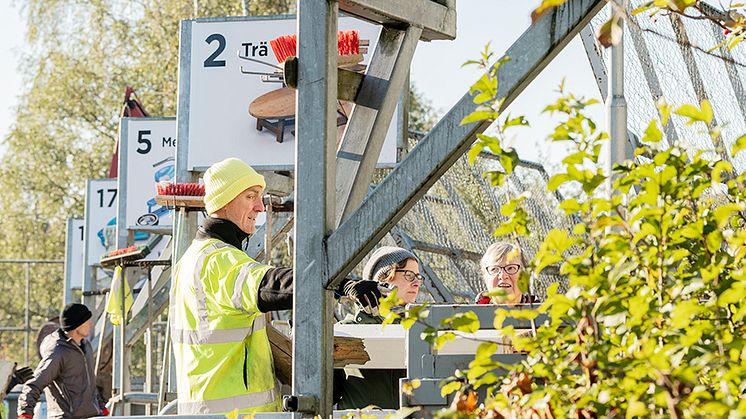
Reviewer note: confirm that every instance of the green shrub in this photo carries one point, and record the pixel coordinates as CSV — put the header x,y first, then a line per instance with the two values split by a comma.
x,y
653,322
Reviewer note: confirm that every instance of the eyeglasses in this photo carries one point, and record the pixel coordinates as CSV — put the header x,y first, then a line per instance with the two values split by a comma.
x,y
511,269
411,276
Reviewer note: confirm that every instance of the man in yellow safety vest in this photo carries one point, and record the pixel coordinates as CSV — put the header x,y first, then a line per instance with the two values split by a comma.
x,y
218,297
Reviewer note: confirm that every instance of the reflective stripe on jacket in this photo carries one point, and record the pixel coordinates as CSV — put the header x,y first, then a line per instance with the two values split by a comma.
x,y
223,357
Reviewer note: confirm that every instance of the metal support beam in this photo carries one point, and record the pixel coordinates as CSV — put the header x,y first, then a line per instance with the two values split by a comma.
x,y
437,20
616,107
448,140
282,223
596,59
314,199
366,131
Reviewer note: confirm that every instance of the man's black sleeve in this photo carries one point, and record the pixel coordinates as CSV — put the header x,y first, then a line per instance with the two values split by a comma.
x,y
276,290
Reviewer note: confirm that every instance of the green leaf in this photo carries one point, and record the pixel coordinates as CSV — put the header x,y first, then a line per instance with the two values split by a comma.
x,y
703,114
552,289
496,177
684,312
544,7
474,151
443,338
723,213
517,121
642,8
739,145
636,409
485,350
557,180
464,322
449,388
714,240
733,295
508,160
575,158
652,133
664,109
478,116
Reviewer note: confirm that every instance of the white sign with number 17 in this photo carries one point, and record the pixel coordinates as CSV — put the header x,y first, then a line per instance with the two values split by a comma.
x,y
100,219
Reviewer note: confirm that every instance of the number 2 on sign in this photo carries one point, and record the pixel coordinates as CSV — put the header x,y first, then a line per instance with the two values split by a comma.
x,y
211,61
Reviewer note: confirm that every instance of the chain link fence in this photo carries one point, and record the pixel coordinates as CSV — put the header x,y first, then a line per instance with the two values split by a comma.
x,y
452,225
676,59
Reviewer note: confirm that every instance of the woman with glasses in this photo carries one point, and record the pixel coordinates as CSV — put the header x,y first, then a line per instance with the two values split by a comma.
x,y
389,268
502,265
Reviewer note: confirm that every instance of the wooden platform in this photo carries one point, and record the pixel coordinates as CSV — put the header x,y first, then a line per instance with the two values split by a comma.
x,y
180,201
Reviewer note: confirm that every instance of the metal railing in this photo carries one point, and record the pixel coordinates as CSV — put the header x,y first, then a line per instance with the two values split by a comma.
x,y
26,327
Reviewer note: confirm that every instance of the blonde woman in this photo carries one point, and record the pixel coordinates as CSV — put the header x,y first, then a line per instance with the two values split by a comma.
x,y
502,266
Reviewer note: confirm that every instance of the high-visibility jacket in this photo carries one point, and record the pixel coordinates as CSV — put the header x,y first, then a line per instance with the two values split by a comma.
x,y
223,356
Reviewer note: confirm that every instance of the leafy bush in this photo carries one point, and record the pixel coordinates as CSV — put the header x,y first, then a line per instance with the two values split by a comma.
x,y
653,322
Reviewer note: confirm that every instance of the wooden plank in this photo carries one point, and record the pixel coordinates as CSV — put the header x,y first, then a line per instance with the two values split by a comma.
x,y
449,139
438,21
6,372
347,351
180,201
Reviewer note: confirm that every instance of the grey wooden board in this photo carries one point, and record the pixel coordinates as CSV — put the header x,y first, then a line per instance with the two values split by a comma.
x,y
448,140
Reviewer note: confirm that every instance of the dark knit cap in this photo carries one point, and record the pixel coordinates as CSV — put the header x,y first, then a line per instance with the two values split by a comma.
x,y
383,257
73,315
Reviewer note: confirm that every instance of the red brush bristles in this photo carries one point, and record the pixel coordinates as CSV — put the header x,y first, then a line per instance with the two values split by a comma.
x,y
126,250
180,189
348,43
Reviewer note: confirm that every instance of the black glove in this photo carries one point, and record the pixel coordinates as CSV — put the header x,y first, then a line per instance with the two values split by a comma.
x,y
365,293
20,376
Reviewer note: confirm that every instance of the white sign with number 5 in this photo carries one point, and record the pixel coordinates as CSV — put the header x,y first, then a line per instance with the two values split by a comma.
x,y
224,112
147,150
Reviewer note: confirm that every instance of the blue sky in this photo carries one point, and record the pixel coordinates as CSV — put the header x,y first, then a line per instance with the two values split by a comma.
x,y
11,39
436,68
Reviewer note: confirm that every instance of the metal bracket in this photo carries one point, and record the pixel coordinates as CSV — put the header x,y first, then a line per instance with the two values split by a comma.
x,y
300,403
348,82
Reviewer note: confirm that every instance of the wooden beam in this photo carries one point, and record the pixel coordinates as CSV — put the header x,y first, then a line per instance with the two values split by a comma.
x,y
437,20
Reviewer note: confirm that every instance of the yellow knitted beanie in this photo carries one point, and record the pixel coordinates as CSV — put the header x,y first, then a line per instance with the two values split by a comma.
x,y
225,180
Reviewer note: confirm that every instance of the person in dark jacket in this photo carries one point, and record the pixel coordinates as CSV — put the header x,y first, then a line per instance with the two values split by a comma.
x,y
391,267
65,372
503,265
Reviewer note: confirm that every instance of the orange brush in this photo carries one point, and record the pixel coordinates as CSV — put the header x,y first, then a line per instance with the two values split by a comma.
x,y
348,47
180,189
126,250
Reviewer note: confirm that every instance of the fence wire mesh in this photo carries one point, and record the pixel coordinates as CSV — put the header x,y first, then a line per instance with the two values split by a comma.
x,y
452,225
669,57
665,57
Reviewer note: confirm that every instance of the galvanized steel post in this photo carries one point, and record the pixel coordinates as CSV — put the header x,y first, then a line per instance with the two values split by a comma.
x,y
314,200
27,316
617,106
